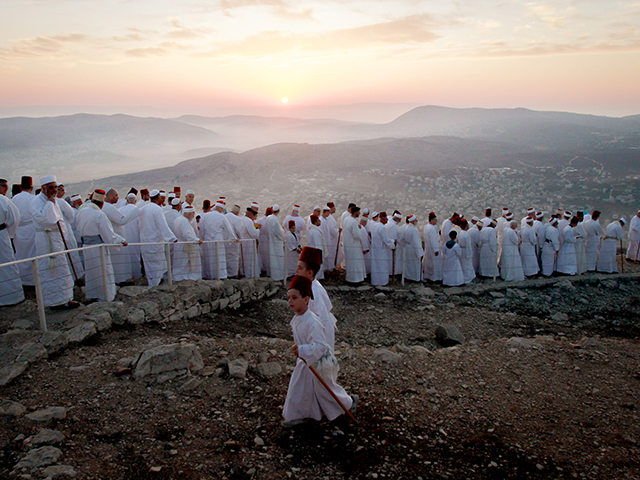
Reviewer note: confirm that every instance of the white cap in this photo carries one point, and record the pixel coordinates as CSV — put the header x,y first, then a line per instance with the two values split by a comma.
x,y
189,209
315,208
48,179
366,211
529,219
553,221
531,210
219,204
623,220
190,192
412,218
176,201
326,209
276,208
255,205
475,219
397,216
505,210
296,208
130,195
171,195
567,214
163,193
154,193
374,214
509,216
539,215
75,197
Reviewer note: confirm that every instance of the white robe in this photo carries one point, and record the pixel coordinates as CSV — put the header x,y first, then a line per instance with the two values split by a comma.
x,y
608,251
592,245
474,235
249,263
511,264
132,234
292,253
332,242
581,256
413,253
567,260
488,252
214,227
275,241
432,254
306,396
634,238
24,237
10,283
301,225
95,228
466,259
528,251
451,268
154,228
365,239
69,214
55,276
263,245
121,257
321,306
549,249
186,262
399,233
316,239
381,244
353,253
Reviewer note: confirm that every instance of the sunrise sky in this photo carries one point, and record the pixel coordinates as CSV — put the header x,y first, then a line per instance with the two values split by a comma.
x,y
196,55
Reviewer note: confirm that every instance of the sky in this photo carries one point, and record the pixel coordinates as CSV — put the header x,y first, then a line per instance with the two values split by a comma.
x,y
197,56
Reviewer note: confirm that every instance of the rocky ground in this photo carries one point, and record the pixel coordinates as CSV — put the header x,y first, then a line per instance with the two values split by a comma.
x,y
545,384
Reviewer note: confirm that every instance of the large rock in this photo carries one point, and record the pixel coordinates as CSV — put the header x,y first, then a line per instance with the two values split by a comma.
x,y
101,318
59,471
31,353
151,309
47,414
11,371
47,437
449,335
54,341
11,409
39,457
82,332
133,291
384,355
238,368
269,369
166,358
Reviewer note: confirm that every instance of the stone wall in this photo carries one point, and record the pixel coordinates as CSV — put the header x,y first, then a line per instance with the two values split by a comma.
x,y
133,305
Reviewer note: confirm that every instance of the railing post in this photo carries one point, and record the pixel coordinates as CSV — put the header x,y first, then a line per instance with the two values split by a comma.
x,y
284,274
215,243
256,265
404,251
103,268
39,299
167,251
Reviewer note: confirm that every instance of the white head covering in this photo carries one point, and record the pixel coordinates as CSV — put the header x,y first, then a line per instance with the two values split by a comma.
x,y
219,204
326,209
509,216
553,221
131,195
171,195
75,197
539,215
623,220
176,201
505,210
190,192
48,179
397,216
154,193
296,208
366,211
163,193
567,214
412,218
529,219
254,205
315,208
374,214
475,219
276,208
189,209
531,210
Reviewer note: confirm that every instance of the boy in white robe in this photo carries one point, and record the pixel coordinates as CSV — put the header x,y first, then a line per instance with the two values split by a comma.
x,y
307,398
452,269
293,249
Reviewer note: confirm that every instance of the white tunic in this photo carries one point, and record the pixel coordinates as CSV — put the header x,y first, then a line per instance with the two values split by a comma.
x,y
69,214
214,227
413,253
581,256
399,233
353,253
275,241
608,251
381,244
23,239
511,264
263,245
301,225
365,238
154,228
321,306
186,259
249,263
55,276
592,245
474,235
306,396
451,268
488,252
316,239
528,251
121,257
634,238
549,249
292,253
331,237
10,283
432,254
132,234
567,261
466,259
95,228
232,249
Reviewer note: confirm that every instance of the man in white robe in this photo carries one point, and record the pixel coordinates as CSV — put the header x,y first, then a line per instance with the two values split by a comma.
x,y
592,245
567,260
275,241
26,231
11,291
132,234
292,248
432,250
214,230
489,250
95,229
154,229
332,238
466,247
353,252
381,246
633,251
608,251
511,264
69,215
248,232
550,247
120,257
451,269
232,247
486,220
365,238
173,213
528,249
412,251
531,212
538,229
316,239
189,198
55,276
186,259
501,221
474,234
581,237
395,229
301,225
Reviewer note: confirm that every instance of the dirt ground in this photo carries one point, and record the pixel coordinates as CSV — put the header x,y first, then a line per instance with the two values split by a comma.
x,y
560,400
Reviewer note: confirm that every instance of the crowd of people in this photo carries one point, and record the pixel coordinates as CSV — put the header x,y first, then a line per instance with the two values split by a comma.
x,y
221,240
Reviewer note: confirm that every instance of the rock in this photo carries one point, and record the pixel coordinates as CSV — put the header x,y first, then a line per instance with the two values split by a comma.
x,y
135,316
133,291
31,353
151,309
497,294
116,310
516,293
101,318
380,295
166,358
453,291
39,457
47,414
522,342
384,355
560,317
422,291
609,284
269,369
54,341
449,335
22,324
81,332
190,384
587,342
47,437
11,409
59,471
565,283
238,368
11,371
258,441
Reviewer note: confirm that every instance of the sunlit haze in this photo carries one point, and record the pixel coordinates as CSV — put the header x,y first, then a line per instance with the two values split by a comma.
x,y
202,57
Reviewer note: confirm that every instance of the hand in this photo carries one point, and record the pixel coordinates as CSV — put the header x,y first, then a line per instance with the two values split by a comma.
x,y
124,244
200,242
437,253
295,350
339,230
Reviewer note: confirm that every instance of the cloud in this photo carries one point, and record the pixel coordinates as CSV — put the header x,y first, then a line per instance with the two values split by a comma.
x,y
42,46
547,14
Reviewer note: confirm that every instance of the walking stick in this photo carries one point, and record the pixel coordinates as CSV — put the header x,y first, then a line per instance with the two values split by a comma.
x,y
315,372
335,262
64,241
393,265
621,258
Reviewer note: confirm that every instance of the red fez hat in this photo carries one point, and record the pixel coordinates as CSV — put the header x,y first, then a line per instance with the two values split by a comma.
x,y
176,189
302,284
314,218
383,214
206,204
432,215
292,223
269,211
331,205
311,255
26,183
144,191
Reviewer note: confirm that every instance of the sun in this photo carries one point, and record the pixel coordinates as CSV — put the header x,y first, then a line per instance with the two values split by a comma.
x,y
285,99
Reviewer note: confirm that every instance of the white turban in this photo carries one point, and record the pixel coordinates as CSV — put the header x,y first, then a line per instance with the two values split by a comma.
x,y
48,179
276,208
